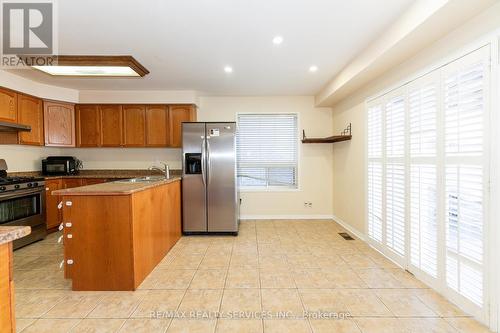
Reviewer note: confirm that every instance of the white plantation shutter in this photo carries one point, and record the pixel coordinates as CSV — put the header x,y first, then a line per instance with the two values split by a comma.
x,y
423,223
375,201
267,150
427,176
395,207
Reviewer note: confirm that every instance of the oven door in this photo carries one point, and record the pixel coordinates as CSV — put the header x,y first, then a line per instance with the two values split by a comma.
x,y
24,208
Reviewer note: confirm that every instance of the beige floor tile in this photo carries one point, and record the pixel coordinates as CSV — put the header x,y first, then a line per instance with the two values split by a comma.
x,y
282,301
273,260
378,278
75,305
467,325
215,261
359,261
21,324
117,304
145,326
426,325
344,277
174,279
286,325
312,278
276,278
192,326
364,302
404,303
439,304
322,300
98,326
406,279
380,325
191,261
244,261
158,303
242,278
241,300
206,301
51,326
239,326
334,326
35,303
208,279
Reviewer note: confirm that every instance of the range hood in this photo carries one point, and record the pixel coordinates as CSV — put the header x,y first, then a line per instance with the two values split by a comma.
x,y
12,127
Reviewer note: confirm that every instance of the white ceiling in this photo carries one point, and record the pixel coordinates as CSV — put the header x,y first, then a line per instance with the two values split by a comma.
x,y
186,43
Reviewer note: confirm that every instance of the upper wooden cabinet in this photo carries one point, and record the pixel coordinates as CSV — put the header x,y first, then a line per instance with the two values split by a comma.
x,y
157,133
59,123
30,112
177,115
111,125
8,105
134,125
88,126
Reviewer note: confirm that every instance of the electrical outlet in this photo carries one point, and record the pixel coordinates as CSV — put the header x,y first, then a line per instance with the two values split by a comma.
x,y
308,204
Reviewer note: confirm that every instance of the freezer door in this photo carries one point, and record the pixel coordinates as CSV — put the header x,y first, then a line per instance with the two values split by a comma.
x,y
194,198
221,177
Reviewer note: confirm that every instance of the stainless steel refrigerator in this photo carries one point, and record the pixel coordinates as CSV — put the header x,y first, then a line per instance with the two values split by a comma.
x,y
210,201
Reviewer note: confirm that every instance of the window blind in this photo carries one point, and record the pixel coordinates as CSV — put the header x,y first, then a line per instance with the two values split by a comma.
x,y
395,207
375,201
267,150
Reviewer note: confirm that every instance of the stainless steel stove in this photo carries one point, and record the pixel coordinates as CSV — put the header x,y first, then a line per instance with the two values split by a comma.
x,y
22,203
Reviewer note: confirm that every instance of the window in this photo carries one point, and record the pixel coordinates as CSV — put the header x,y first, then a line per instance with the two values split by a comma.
x,y
267,150
427,176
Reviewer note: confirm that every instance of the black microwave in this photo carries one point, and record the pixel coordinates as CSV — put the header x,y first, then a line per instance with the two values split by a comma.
x,y
60,165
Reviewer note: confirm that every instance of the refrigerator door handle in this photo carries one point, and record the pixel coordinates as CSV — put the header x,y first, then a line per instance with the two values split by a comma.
x,y
209,164
203,164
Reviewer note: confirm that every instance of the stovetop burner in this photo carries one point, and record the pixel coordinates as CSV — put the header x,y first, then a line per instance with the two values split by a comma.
x,y
18,180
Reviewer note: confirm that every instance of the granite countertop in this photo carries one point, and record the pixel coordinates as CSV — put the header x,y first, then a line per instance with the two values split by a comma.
x,y
9,234
109,174
116,187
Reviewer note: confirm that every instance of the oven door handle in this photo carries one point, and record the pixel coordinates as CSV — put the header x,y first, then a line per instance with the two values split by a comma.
x,y
21,193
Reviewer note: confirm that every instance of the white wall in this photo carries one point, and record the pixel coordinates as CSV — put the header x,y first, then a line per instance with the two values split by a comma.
x,y
315,164
349,160
25,158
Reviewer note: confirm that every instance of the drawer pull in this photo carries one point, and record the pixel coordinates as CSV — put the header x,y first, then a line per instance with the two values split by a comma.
x,y
69,203
61,226
69,261
70,236
59,205
68,224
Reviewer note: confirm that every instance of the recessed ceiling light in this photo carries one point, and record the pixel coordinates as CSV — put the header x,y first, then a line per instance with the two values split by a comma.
x,y
77,65
228,69
313,68
277,40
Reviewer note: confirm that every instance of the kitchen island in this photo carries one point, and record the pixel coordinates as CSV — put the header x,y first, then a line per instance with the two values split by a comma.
x,y
7,305
116,233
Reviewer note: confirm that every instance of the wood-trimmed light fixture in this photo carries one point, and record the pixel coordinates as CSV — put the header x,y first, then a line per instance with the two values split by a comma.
x,y
95,66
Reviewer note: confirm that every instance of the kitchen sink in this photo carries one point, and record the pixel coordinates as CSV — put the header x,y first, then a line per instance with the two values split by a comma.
x,y
144,179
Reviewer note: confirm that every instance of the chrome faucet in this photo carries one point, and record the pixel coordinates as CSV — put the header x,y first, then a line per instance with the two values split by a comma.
x,y
165,170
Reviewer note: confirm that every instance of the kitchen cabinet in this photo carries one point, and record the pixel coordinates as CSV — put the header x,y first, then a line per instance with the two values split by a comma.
x,y
8,105
88,126
157,133
111,125
177,115
52,213
59,124
134,125
7,304
93,181
30,112
72,182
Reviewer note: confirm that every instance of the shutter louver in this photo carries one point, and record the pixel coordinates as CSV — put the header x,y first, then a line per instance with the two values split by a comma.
x,y
375,132
395,207
375,201
267,150
395,127
422,104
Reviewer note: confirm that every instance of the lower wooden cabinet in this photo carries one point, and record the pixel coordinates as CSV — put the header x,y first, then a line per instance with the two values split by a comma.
x,y
7,305
52,213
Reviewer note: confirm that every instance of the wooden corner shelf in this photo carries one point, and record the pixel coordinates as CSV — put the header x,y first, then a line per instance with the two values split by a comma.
x,y
346,135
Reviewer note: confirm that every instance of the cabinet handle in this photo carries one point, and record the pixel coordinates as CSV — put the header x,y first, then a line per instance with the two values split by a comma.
x,y
61,226
47,189
69,261
69,203
70,236
68,224
59,205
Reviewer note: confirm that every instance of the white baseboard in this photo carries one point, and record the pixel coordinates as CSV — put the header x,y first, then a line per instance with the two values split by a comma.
x,y
286,217
348,227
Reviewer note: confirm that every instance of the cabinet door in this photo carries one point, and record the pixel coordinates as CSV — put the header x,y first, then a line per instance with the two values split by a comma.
x,y
177,115
134,125
53,215
93,181
157,134
30,112
59,121
88,126
8,105
72,182
111,125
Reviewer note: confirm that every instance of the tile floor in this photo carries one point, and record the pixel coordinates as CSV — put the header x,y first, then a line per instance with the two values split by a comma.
x,y
276,276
